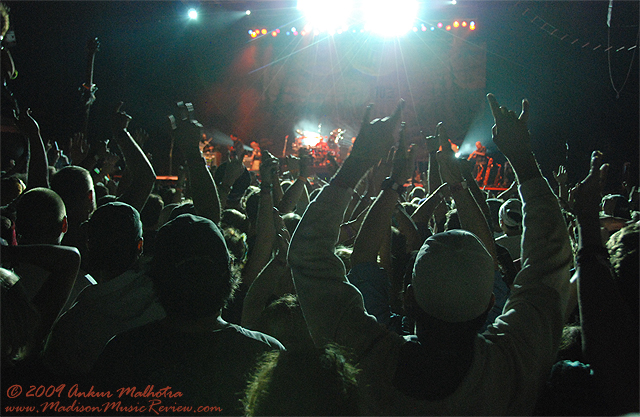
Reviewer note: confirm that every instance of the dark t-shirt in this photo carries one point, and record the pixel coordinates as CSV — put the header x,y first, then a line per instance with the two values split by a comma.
x,y
209,369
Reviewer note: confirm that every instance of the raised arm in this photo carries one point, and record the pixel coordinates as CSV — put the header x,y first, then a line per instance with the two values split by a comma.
x,y
295,192
332,307
187,133
38,171
471,216
265,226
272,282
610,349
140,170
377,222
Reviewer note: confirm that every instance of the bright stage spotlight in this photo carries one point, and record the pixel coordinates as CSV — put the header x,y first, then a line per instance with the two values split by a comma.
x,y
193,14
326,15
390,19
248,12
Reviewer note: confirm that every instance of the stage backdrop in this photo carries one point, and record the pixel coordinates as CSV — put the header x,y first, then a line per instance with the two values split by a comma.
x,y
277,85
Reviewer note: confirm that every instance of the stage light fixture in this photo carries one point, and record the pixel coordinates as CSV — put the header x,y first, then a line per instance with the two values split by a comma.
x,y
456,24
248,12
464,24
472,25
254,34
387,19
439,25
454,2
263,31
448,27
193,14
432,28
274,34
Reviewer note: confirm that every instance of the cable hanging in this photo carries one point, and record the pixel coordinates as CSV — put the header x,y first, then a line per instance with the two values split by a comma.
x,y
613,84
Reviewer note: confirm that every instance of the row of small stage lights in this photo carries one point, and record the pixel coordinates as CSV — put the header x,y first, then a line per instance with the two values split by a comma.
x,y
254,33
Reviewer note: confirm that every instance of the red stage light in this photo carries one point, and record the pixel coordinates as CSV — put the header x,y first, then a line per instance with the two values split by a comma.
x,y
448,27
464,24
274,34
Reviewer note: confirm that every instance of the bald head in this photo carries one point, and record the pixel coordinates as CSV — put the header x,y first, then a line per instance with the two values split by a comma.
x,y
40,217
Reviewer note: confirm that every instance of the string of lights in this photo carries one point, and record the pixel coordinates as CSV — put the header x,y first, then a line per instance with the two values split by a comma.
x,y
550,29
470,26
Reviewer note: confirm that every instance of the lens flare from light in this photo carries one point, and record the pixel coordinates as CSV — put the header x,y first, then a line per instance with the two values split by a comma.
x,y
193,14
390,19
326,15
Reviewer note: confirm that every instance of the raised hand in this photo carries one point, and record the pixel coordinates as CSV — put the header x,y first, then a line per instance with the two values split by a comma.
x,y
27,124
588,193
269,168
449,167
511,135
79,148
305,163
140,136
119,119
293,164
376,136
402,165
510,131
561,176
432,143
186,130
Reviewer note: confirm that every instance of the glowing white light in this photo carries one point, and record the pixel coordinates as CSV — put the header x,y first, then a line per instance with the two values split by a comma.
x,y
193,14
326,15
457,154
454,2
390,19
248,12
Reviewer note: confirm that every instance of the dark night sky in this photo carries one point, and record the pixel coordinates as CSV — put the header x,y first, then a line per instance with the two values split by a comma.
x,y
151,57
